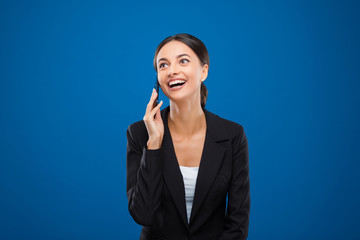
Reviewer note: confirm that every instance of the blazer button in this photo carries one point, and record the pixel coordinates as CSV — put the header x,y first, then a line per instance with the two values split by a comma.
x,y
188,237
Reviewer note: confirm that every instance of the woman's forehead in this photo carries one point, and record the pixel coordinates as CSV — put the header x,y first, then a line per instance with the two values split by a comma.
x,y
173,49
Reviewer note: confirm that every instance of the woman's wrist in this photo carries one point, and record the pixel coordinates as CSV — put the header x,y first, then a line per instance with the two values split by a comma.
x,y
153,144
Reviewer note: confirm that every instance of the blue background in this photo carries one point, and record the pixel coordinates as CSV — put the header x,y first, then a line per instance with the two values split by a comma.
x,y
75,74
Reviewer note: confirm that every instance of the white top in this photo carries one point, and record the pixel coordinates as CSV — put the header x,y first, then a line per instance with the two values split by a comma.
x,y
189,175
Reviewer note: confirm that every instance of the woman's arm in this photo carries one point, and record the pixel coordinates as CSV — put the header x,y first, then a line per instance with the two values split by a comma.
x,y
144,180
238,210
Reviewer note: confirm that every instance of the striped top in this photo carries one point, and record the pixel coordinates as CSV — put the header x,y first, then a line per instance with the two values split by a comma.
x,y
189,175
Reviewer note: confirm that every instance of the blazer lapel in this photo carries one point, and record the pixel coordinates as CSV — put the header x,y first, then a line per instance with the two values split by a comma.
x,y
212,156
211,159
171,171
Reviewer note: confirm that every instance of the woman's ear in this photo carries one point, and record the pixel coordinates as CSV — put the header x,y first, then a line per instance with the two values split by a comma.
x,y
204,72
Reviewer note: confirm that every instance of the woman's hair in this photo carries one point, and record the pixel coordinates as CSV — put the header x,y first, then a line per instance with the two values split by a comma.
x,y
198,47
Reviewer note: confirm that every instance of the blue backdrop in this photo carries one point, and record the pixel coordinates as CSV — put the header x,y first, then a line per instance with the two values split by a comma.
x,y
75,74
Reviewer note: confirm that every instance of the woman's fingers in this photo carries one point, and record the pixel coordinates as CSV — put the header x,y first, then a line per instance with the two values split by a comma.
x,y
157,115
154,125
151,102
152,113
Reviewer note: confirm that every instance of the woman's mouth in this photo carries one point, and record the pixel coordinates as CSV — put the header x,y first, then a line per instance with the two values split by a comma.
x,y
176,85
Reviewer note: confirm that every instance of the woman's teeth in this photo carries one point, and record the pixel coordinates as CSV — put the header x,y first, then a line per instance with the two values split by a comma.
x,y
176,83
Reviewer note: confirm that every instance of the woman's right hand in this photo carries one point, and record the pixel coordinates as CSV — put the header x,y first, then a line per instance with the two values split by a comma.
x,y
154,126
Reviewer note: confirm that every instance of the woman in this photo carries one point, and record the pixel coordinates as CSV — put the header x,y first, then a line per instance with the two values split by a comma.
x,y
187,168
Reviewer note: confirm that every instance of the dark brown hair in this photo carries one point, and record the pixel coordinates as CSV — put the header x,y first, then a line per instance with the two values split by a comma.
x,y
198,47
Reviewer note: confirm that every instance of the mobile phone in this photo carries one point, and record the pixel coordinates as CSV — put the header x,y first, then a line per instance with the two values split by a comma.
x,y
156,102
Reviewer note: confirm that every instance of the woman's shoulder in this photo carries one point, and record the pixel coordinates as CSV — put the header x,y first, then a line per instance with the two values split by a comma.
x,y
137,132
232,128
137,126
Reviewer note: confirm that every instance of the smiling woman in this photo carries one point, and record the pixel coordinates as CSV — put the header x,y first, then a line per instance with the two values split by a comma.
x,y
189,53
186,162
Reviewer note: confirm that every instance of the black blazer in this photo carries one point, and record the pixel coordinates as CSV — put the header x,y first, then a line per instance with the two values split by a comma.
x,y
155,187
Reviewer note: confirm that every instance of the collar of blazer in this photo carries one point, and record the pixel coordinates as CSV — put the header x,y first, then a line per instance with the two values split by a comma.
x,y
212,156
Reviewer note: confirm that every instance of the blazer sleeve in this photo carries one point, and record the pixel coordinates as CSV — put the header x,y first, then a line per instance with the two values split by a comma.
x,y
144,179
238,210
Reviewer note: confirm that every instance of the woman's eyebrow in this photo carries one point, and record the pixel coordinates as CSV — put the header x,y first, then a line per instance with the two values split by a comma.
x,y
178,56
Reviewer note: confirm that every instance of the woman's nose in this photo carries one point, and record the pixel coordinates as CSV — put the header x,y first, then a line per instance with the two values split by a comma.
x,y
172,70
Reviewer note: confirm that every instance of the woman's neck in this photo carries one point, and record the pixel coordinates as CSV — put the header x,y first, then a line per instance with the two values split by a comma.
x,y
186,120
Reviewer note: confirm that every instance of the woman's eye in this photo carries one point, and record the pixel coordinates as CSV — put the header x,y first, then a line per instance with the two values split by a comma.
x,y
161,65
182,60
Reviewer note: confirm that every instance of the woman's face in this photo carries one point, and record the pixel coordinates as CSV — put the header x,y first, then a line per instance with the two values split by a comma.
x,y
176,60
